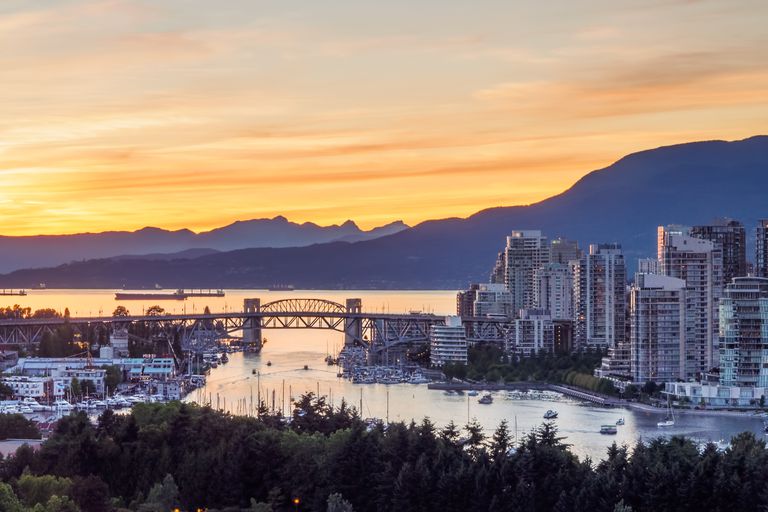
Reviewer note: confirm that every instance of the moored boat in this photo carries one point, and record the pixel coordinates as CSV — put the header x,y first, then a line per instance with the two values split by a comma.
x,y
608,429
550,414
485,399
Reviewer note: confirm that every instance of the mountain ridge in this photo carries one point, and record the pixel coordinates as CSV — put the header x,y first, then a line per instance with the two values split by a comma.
x,y
624,202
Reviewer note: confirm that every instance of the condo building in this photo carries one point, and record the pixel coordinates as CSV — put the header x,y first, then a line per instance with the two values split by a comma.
x,y
657,328
526,252
744,333
448,342
730,237
599,285
554,290
698,262
534,332
761,248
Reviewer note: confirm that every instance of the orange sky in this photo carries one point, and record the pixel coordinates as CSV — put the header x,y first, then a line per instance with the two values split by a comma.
x,y
118,114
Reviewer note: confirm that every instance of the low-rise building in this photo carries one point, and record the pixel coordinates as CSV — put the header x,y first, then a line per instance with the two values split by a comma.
x,y
34,387
448,342
715,395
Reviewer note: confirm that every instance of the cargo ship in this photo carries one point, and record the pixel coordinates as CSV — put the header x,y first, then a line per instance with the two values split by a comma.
x,y
177,295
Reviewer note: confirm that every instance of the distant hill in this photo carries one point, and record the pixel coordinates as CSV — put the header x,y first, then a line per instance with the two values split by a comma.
x,y
48,250
625,202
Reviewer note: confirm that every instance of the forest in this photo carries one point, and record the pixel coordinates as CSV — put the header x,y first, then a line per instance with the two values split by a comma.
x,y
162,457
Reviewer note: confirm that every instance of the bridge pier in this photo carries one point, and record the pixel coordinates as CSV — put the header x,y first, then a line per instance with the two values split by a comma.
x,y
353,327
252,340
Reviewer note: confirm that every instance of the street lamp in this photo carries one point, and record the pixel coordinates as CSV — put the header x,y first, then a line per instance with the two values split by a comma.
x,y
296,502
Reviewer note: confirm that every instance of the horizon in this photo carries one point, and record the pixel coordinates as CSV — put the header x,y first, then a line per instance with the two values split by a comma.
x,y
121,114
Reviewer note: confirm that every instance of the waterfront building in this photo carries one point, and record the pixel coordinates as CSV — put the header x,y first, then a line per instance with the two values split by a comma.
x,y
465,301
715,395
34,387
534,332
744,333
761,248
699,263
95,375
554,290
657,328
599,292
563,251
731,238
492,299
448,342
526,252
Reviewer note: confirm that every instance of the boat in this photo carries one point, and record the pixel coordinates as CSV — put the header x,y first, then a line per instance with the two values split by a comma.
x,y
550,415
669,421
269,363
33,404
608,429
485,399
620,421
62,405
177,295
473,392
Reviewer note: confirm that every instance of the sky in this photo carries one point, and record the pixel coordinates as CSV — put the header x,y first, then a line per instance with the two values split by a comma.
x,y
119,114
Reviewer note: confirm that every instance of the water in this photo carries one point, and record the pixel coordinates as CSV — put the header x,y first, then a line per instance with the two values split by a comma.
x,y
289,350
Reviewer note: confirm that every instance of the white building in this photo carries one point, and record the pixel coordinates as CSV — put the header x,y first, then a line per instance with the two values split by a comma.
x,y
699,263
526,251
448,342
554,290
492,300
22,386
95,375
534,332
657,328
715,395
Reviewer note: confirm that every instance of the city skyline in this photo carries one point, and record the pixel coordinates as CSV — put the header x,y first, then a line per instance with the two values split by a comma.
x,y
122,114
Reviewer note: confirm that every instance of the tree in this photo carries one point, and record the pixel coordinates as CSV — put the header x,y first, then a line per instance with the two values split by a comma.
x,y
74,387
40,489
113,377
91,494
155,310
8,500
121,311
337,503
162,497
6,391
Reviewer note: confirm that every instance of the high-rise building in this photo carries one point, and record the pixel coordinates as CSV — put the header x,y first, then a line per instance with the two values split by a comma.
x,y
494,300
647,266
534,332
731,238
599,297
761,248
526,252
699,263
465,301
554,290
657,328
563,251
744,333
448,342
499,269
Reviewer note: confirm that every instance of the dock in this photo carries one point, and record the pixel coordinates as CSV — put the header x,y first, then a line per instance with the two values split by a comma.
x,y
13,292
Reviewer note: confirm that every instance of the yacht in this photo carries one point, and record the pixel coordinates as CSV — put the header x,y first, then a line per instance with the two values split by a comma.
x,y
608,429
33,404
62,405
486,399
669,421
418,378
550,415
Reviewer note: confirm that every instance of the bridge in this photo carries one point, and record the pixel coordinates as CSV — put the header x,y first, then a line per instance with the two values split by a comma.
x,y
376,331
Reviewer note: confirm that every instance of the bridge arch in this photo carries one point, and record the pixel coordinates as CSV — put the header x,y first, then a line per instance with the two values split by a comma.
x,y
294,305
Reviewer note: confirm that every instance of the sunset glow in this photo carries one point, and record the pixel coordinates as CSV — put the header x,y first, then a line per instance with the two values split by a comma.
x,y
118,114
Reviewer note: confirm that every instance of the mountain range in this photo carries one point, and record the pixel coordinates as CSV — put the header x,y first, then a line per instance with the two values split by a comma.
x,y
624,202
155,243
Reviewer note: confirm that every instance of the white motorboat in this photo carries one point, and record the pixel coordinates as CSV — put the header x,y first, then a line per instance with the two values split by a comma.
x,y
33,404
62,405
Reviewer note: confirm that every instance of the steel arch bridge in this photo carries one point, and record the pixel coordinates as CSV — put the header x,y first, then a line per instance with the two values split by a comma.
x,y
293,305
376,331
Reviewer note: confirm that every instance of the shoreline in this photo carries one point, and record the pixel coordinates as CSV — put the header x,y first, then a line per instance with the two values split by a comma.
x,y
593,398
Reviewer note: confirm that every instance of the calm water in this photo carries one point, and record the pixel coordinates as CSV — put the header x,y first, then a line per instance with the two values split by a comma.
x,y
289,350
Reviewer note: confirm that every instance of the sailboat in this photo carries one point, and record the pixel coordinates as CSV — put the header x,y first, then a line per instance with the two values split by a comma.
x,y
669,421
